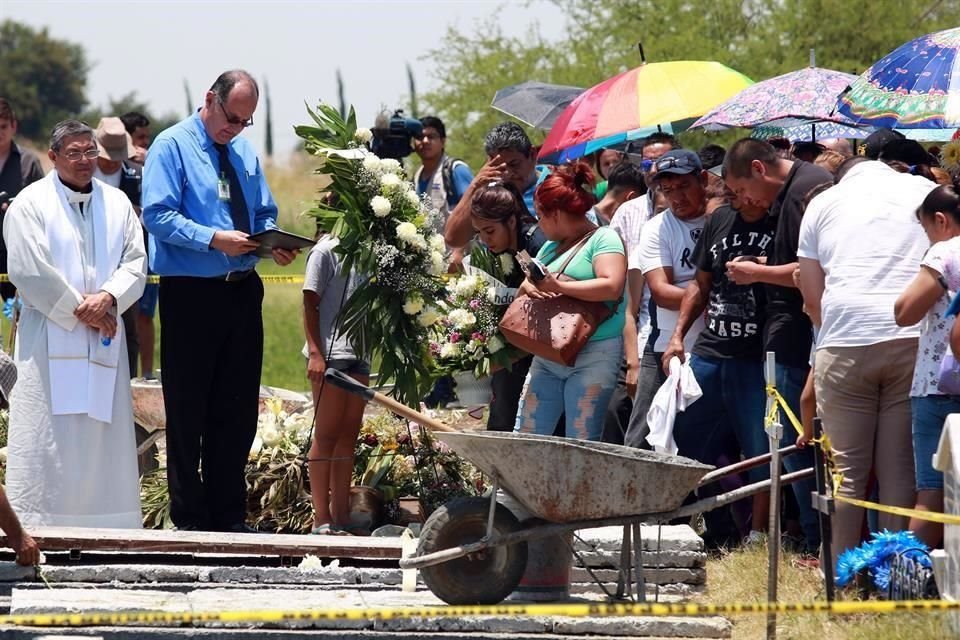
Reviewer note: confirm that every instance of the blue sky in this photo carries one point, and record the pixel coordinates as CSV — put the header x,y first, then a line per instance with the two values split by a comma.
x,y
150,47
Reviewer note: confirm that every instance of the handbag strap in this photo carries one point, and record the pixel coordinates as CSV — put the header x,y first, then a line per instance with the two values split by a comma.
x,y
575,249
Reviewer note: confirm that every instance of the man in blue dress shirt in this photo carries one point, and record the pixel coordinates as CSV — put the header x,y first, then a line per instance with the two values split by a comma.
x,y
204,194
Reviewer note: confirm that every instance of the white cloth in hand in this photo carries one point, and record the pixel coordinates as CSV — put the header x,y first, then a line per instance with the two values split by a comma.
x,y
677,393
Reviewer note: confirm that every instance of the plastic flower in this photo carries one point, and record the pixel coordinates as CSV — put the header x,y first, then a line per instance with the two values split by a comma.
x,y
450,350
506,263
372,164
494,344
428,317
437,243
380,206
413,305
363,135
390,181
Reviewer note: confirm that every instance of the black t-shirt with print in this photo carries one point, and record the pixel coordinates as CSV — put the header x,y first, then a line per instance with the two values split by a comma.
x,y
735,313
788,331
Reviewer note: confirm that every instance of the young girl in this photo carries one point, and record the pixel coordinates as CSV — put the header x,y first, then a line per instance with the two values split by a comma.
x,y
926,301
338,414
501,220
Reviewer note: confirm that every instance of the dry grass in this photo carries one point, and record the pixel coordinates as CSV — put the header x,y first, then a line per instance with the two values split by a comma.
x,y
741,576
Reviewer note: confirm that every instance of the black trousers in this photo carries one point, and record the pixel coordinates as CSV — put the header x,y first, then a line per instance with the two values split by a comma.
x,y
507,386
133,341
618,410
211,354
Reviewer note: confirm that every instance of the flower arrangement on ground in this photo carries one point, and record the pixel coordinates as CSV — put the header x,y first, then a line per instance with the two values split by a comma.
x,y
397,458
384,231
467,336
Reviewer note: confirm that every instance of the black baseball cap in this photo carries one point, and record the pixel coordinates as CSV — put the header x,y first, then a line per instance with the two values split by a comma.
x,y
876,141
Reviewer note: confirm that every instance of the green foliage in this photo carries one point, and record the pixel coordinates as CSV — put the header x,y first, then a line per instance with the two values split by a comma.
x,y
44,78
124,104
384,232
760,38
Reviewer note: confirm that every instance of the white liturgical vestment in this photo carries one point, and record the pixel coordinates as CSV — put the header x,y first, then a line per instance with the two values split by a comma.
x,y
72,457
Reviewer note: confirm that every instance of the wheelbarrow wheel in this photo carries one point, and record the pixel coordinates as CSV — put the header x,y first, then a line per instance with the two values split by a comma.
x,y
486,577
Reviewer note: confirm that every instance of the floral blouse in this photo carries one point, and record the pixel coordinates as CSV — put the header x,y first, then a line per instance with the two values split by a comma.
x,y
944,259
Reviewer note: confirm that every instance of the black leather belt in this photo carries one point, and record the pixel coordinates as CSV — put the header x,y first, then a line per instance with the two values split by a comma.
x,y
234,276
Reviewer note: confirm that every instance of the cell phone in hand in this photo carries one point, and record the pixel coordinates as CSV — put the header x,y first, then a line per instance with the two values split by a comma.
x,y
531,266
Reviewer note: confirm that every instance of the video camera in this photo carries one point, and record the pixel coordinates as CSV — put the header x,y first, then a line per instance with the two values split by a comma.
x,y
392,136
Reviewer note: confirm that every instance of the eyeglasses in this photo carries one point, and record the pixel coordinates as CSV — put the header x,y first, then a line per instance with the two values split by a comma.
x,y
75,156
234,120
646,165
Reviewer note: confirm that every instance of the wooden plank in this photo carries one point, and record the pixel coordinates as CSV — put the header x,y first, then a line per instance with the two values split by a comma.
x,y
166,540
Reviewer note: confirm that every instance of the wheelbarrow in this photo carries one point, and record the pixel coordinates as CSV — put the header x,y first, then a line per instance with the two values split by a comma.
x,y
474,550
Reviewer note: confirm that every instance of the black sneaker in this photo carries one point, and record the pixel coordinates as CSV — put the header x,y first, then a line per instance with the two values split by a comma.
x,y
187,527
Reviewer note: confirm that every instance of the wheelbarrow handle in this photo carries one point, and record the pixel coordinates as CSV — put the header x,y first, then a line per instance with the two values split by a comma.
x,y
345,382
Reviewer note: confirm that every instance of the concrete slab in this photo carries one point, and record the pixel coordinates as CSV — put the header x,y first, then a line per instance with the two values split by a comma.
x,y
671,538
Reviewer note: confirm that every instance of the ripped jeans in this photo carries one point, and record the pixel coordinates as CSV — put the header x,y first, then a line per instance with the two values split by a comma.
x,y
582,392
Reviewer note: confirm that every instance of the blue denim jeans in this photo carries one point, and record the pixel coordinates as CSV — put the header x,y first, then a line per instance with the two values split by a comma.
x,y
730,413
929,414
790,382
582,392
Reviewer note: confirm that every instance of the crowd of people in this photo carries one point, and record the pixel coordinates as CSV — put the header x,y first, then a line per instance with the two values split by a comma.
x,y
841,264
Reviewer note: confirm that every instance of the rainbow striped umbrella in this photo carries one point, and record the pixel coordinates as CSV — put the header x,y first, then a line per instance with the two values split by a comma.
x,y
917,86
666,96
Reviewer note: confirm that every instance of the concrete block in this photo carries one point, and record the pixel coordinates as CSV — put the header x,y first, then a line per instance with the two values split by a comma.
x,y
699,627
672,538
13,572
664,575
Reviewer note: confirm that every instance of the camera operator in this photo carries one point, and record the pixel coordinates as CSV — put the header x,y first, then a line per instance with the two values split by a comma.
x,y
18,168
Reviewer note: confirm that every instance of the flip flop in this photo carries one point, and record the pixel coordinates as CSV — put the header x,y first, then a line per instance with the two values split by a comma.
x,y
351,530
328,530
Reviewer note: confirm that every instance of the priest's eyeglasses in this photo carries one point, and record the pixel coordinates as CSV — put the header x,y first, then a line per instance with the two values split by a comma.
x,y
234,120
75,156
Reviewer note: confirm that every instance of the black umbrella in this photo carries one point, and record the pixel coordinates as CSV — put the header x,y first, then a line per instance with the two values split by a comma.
x,y
537,104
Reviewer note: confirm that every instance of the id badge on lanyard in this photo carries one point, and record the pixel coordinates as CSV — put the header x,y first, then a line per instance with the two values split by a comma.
x,y
223,188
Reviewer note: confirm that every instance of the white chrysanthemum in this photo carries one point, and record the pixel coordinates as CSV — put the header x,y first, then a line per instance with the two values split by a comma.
x,y
389,165
380,206
255,448
492,294
413,305
506,263
495,344
406,232
296,423
450,350
467,285
270,437
437,243
462,319
390,181
3,455
428,317
372,164
413,198
363,135
437,265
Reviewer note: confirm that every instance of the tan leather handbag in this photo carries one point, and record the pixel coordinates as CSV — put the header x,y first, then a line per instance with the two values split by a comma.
x,y
554,328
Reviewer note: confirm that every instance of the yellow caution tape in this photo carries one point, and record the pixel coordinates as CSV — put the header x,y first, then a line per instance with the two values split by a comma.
x,y
267,279
778,401
932,516
396,613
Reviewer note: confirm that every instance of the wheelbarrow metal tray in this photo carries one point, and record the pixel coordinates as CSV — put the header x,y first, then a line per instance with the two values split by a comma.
x,y
565,480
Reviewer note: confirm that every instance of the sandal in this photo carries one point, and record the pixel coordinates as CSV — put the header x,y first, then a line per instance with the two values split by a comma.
x,y
328,530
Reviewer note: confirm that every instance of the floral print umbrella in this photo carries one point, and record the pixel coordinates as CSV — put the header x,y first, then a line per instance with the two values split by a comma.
x,y
807,94
917,86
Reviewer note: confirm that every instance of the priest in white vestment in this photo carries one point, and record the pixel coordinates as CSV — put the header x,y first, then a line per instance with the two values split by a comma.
x,y
76,255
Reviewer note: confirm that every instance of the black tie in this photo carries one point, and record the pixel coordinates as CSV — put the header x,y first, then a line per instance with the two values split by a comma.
x,y
238,208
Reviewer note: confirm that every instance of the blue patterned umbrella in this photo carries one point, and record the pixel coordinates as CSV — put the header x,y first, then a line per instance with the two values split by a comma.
x,y
796,130
917,86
